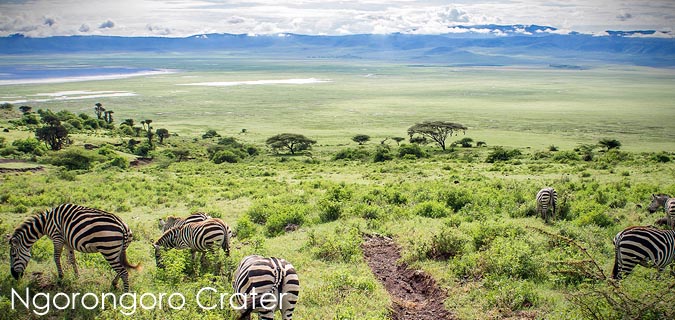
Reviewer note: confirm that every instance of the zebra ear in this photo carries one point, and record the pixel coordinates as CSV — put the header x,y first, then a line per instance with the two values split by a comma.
x,y
8,237
161,222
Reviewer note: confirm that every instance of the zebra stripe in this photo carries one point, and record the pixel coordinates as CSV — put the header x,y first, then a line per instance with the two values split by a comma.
x,y
259,275
76,228
172,222
197,236
646,246
547,198
670,212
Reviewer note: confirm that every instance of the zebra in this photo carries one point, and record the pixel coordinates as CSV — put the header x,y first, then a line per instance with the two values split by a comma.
x,y
647,246
172,221
668,203
77,228
197,236
546,198
257,277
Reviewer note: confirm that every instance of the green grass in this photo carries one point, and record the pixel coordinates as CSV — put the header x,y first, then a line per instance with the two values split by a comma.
x,y
452,199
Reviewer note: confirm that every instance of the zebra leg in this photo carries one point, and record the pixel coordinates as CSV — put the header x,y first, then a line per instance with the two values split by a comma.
x,y
73,262
58,249
121,272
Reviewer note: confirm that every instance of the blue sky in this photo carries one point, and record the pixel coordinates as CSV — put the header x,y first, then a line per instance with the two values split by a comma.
x,y
178,18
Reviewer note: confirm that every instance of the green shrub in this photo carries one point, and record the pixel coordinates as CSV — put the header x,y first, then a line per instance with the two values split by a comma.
x,y
507,295
329,210
382,154
511,258
342,245
352,154
74,158
455,198
276,223
566,156
30,146
413,151
225,156
661,157
501,154
245,228
431,209
446,244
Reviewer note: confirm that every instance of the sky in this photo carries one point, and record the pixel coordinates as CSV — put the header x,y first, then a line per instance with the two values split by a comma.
x,y
180,18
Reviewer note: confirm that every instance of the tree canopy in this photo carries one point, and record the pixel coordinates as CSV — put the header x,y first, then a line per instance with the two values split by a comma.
x,y
361,138
291,141
438,131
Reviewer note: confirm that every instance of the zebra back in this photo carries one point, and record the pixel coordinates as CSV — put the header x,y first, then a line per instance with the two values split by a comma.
x,y
646,246
547,198
266,275
78,228
198,236
172,221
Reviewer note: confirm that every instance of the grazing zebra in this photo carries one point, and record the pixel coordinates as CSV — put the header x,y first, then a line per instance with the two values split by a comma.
x,y
172,221
646,246
259,278
75,228
546,198
668,203
197,236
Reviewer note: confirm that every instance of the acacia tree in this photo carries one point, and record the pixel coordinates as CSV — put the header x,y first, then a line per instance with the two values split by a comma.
x,y
361,138
291,141
162,134
438,131
99,109
398,140
54,134
610,143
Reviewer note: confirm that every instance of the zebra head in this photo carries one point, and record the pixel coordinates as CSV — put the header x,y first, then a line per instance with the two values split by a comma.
x,y
658,200
19,255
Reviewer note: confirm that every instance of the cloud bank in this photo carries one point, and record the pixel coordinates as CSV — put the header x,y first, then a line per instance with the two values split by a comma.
x,y
179,18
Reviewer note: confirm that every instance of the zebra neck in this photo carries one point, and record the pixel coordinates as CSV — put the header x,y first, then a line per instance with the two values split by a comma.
x,y
32,229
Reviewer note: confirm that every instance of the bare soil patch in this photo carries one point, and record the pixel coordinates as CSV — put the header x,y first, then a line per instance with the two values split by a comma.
x,y
415,294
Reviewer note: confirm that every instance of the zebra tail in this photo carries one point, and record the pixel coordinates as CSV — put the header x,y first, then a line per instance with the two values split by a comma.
x,y
125,263
617,259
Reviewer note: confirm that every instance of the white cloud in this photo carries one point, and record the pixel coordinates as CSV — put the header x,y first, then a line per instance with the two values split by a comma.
x,y
184,17
107,25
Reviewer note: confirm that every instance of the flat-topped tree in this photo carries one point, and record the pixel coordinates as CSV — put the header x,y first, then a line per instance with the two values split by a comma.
x,y
291,141
438,131
99,109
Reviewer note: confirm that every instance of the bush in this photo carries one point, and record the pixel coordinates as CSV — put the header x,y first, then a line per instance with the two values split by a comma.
x,y
410,150
342,245
30,146
447,244
276,224
566,157
511,258
225,156
352,154
245,228
74,159
329,210
455,198
508,295
661,157
501,154
382,154
431,209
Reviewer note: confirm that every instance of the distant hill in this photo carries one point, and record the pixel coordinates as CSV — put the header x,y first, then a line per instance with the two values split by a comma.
x,y
462,45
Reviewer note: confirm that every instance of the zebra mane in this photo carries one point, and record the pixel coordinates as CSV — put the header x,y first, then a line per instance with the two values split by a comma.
x,y
168,237
31,229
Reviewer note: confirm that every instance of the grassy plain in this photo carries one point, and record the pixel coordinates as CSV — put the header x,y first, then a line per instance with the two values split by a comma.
x,y
477,212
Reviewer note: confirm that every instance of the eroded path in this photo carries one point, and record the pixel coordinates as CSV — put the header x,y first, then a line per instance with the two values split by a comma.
x,y
415,294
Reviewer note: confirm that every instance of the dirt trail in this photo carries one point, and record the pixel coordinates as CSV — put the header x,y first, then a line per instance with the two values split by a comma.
x,y
414,293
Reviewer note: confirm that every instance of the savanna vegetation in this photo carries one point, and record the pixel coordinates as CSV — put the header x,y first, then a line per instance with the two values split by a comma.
x,y
297,183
